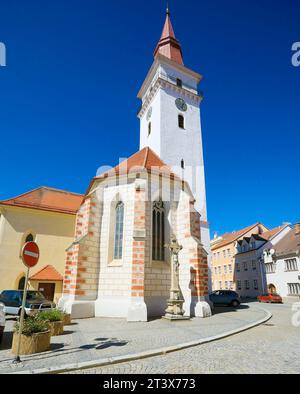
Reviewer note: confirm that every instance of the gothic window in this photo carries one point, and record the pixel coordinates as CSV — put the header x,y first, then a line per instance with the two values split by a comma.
x,y
149,128
158,231
29,238
181,121
118,251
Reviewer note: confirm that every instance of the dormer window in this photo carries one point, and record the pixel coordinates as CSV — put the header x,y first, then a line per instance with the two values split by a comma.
x,y
179,82
181,121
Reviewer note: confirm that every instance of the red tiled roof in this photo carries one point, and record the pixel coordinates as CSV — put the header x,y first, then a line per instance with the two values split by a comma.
x,y
290,244
270,234
144,159
48,273
168,45
231,237
47,199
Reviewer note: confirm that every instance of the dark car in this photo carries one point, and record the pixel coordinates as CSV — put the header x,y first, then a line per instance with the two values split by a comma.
x,y
225,297
35,302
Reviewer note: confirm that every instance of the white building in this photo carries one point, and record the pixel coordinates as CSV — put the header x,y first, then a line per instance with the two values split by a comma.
x,y
118,265
249,275
282,265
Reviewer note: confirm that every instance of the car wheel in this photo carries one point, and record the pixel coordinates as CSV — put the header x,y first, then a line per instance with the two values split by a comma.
x,y
235,303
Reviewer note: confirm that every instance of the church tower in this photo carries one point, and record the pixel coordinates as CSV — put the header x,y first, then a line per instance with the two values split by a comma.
x,y
170,118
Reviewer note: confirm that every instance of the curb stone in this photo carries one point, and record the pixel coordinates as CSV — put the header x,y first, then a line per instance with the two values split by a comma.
x,y
142,355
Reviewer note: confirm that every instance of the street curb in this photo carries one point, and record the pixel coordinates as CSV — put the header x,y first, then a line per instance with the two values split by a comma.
x,y
142,355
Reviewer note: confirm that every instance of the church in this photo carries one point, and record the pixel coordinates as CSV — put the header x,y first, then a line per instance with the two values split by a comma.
x,y
118,265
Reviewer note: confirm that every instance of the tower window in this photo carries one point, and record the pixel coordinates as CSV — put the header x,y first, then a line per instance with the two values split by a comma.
x,y
182,164
181,121
179,82
149,128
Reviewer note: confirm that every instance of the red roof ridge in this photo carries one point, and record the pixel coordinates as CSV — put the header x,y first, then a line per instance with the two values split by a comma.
x,y
47,273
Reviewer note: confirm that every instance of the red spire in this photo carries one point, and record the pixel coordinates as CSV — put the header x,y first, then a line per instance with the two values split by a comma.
x,y
168,45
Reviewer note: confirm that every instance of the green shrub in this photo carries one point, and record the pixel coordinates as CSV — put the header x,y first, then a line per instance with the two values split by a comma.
x,y
31,326
52,315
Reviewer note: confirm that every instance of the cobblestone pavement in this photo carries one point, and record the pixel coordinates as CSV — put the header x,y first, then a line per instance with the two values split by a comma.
x,y
270,348
94,339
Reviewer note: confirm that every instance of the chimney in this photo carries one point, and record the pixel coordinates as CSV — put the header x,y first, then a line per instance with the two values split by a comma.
x,y
297,228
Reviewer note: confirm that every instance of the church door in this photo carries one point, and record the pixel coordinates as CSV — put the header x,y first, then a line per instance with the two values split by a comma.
x,y
48,290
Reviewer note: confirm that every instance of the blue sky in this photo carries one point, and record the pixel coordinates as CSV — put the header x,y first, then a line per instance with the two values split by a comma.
x,y
68,96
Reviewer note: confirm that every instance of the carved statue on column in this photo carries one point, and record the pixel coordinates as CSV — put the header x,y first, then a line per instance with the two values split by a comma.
x,y
174,309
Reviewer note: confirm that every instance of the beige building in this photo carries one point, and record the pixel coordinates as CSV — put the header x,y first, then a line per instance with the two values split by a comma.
x,y
224,250
46,216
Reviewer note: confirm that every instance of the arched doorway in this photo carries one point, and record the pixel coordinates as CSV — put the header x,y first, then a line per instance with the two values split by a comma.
x,y
21,284
272,289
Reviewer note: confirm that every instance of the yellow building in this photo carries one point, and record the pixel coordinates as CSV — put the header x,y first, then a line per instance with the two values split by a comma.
x,y
224,250
46,216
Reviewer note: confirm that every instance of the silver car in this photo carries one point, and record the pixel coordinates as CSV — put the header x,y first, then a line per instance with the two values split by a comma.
x,y
2,321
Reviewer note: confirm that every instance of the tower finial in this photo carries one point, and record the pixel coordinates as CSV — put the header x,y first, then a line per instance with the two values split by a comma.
x,y
168,9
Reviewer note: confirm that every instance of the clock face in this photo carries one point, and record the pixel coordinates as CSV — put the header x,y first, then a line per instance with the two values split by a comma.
x,y
149,113
181,104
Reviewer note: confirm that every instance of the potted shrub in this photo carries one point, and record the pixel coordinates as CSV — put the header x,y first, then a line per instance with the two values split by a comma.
x,y
67,319
55,320
35,337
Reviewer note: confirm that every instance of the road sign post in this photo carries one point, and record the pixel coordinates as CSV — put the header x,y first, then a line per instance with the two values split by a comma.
x,y
30,257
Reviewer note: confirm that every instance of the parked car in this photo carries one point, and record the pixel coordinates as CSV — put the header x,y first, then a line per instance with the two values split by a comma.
x,y
35,302
225,297
2,321
270,298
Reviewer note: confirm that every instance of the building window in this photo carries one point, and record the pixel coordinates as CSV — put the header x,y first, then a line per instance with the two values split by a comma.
x,y
226,285
270,268
294,289
158,231
238,269
225,269
247,285
230,268
245,266
255,284
239,285
224,254
21,284
181,121
118,251
149,128
228,253
216,271
253,245
29,238
291,265
182,164
231,285
179,82
253,265
220,271
220,285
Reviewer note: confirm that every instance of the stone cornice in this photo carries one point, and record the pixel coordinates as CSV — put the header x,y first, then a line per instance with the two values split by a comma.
x,y
161,82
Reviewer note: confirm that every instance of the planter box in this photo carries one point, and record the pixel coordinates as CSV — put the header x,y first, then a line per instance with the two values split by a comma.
x,y
67,320
36,343
56,328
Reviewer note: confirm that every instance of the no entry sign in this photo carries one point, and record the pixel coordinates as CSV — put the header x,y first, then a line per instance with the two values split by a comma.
x,y
30,254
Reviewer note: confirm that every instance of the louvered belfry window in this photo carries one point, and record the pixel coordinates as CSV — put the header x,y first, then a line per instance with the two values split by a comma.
x,y
158,231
